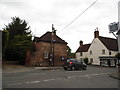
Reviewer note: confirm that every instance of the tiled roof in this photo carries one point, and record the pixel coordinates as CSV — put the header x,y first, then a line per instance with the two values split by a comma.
x,y
110,43
47,37
83,48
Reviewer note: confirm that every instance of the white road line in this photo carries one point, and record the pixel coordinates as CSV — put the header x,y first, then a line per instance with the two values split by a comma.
x,y
32,82
15,84
89,75
48,80
37,74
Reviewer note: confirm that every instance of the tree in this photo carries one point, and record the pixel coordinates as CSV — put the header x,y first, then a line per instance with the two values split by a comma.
x,y
17,27
5,38
20,40
69,53
117,56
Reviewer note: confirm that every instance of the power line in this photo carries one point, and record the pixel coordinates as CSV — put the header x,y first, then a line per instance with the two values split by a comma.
x,y
79,15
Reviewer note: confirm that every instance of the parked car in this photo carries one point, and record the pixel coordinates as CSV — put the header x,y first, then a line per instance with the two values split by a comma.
x,y
74,64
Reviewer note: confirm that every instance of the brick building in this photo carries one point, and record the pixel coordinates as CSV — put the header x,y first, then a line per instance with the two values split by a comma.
x,y
49,50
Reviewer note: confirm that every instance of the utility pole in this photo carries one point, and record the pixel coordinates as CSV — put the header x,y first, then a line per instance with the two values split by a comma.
x,y
52,46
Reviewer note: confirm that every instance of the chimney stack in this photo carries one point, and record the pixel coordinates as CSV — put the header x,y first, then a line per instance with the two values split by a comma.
x,y
96,33
81,43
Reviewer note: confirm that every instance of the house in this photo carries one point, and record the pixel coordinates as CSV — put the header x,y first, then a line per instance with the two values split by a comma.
x,y
82,51
102,51
50,49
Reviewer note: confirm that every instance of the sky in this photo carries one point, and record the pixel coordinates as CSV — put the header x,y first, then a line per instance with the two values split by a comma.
x,y
41,14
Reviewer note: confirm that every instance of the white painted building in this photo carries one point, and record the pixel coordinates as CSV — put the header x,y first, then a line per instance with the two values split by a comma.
x,y
102,51
81,52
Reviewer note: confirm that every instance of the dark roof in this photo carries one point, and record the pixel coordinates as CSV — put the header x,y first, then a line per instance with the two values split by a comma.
x,y
83,48
110,43
47,37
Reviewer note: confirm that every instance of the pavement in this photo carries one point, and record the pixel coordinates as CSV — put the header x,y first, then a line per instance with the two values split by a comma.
x,y
21,68
115,75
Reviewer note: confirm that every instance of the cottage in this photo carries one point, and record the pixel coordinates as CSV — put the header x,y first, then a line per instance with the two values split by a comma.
x,y
81,52
50,49
102,51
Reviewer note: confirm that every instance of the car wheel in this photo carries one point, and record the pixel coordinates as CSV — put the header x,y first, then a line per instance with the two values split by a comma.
x,y
65,68
84,68
73,68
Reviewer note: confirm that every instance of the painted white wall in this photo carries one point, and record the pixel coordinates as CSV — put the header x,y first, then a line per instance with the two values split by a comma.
x,y
78,57
96,47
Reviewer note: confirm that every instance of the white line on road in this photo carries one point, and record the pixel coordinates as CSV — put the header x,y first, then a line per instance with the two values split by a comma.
x,y
15,84
48,80
32,82
87,75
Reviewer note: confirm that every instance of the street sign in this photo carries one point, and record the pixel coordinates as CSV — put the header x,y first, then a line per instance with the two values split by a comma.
x,y
113,27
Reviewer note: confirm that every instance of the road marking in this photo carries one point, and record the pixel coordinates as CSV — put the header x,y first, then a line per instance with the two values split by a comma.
x,y
32,82
37,74
89,75
15,84
48,80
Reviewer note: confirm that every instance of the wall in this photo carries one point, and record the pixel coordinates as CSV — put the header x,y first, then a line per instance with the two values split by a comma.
x,y
39,56
84,55
96,48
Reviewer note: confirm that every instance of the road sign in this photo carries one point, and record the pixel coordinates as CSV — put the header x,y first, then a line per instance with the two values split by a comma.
x,y
113,27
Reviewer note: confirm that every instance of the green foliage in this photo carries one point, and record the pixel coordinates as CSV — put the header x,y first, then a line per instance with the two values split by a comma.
x,y
86,60
117,55
5,38
18,40
17,27
69,54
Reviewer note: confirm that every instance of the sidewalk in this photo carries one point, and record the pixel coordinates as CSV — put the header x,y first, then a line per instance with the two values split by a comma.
x,y
115,75
22,68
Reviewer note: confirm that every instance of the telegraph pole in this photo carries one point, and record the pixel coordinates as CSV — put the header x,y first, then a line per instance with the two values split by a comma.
x,y
52,46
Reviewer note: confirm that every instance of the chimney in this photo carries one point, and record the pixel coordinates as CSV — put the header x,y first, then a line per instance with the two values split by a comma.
x,y
81,43
96,33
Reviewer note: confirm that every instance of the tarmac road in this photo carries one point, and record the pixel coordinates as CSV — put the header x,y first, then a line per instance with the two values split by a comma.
x,y
93,77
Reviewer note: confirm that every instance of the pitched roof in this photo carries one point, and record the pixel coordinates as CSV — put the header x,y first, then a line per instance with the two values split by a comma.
x,y
83,48
110,43
47,37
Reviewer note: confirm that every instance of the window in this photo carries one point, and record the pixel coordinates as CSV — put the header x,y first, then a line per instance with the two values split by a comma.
x,y
90,52
109,53
81,54
46,54
103,51
91,60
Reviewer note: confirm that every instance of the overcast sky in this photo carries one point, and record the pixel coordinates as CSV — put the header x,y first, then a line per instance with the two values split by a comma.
x,y
41,14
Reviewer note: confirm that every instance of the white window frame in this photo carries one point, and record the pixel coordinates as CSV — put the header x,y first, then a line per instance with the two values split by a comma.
x,y
46,55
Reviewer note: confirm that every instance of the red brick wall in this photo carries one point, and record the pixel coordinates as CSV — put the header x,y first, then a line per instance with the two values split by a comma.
x,y
59,51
